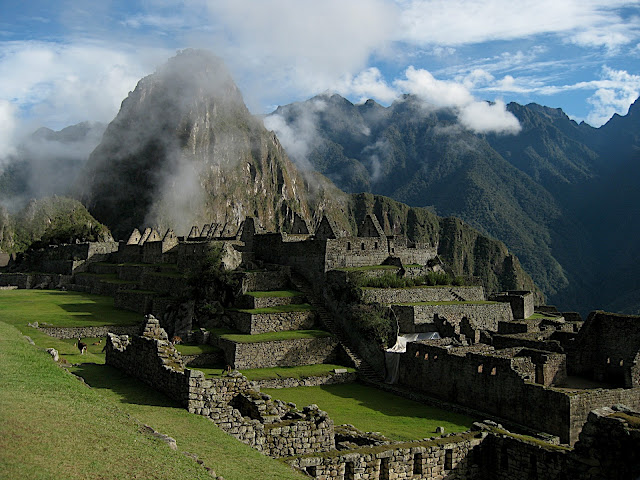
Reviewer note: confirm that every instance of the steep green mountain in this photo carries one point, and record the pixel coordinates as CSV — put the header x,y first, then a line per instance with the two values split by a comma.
x,y
47,221
185,149
557,193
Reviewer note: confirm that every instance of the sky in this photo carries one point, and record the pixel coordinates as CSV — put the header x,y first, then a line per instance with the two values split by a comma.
x,y
69,61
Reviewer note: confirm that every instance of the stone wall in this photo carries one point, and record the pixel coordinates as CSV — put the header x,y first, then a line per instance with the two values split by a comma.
x,y
86,332
140,301
425,318
521,302
281,353
333,379
250,301
270,426
163,283
34,280
606,349
452,458
254,324
387,296
582,403
67,258
265,280
487,381
355,252
306,257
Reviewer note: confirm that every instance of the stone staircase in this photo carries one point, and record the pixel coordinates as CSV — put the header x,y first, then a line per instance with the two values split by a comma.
x,y
365,371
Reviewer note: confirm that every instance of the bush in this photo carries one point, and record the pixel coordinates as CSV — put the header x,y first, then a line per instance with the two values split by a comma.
x,y
373,322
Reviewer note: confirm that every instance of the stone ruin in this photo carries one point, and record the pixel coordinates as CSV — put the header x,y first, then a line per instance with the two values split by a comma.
x,y
495,357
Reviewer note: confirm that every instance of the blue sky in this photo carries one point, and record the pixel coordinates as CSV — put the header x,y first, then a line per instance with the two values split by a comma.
x,y
68,61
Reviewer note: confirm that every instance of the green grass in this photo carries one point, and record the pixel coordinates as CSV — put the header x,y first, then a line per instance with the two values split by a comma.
x,y
322,369
300,307
196,349
275,336
373,410
62,309
449,302
275,293
53,426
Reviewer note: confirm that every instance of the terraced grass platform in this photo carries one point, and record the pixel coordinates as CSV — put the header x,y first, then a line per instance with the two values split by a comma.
x,y
62,309
373,410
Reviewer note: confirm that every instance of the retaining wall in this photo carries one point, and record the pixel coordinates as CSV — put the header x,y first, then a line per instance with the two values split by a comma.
x,y
333,379
85,332
272,322
454,458
270,426
418,318
281,353
422,294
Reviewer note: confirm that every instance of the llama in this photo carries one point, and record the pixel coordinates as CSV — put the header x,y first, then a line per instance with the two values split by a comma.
x,y
81,346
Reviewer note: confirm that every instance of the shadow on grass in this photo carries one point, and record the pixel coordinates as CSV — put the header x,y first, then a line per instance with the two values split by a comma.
x,y
127,389
393,405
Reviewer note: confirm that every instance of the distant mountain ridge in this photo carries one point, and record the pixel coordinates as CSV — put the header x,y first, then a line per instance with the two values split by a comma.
x,y
547,192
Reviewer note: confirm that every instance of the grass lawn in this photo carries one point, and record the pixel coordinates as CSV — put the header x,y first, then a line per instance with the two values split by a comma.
x,y
275,336
62,309
275,293
373,410
300,307
450,302
53,426
279,372
196,349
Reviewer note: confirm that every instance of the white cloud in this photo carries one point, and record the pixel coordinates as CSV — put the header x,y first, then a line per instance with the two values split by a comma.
x,y
303,46
615,94
459,22
59,84
440,93
484,117
367,84
7,130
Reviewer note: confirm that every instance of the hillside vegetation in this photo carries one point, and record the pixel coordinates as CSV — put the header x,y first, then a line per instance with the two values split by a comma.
x,y
559,194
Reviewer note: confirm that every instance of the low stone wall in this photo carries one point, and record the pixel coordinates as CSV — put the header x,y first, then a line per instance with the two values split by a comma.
x,y
98,286
282,353
34,280
85,332
266,280
581,404
136,301
418,318
272,322
313,381
457,457
270,426
422,294
162,283
250,302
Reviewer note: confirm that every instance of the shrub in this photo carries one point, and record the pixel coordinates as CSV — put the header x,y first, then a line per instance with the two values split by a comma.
x,y
373,322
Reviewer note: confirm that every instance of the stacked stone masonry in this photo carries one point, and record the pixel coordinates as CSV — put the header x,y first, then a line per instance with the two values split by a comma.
x,y
279,353
255,323
279,430
387,296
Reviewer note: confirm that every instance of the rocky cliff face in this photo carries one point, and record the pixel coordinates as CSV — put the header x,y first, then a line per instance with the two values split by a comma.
x,y
184,149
